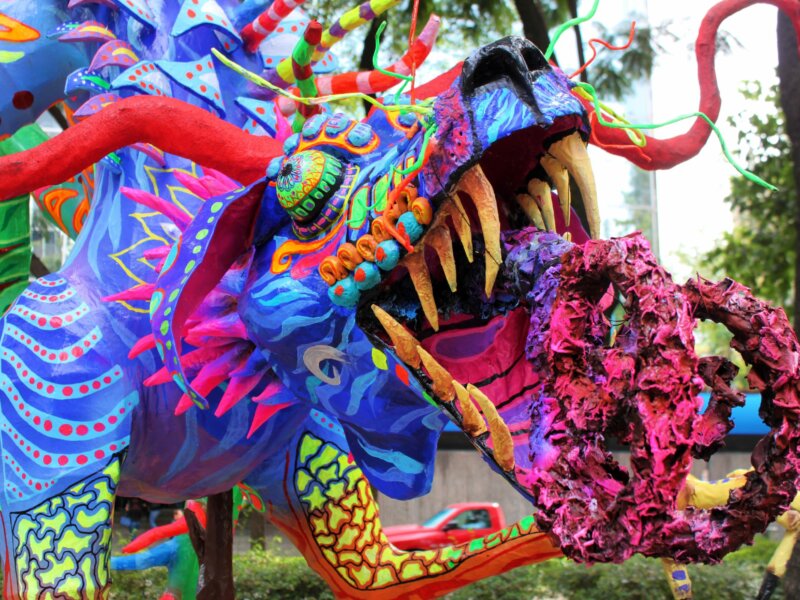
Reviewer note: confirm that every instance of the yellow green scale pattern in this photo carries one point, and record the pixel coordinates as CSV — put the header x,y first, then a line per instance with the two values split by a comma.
x,y
343,519
62,547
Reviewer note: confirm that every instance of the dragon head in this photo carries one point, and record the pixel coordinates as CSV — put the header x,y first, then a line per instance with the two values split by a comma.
x,y
381,276
412,265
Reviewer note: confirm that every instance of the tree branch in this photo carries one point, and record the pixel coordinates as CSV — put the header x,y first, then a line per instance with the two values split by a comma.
x,y
533,23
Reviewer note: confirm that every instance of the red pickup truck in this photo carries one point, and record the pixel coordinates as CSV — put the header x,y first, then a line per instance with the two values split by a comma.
x,y
455,524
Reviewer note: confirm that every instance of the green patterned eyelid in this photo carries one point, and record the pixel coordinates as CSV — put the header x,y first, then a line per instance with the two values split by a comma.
x,y
306,182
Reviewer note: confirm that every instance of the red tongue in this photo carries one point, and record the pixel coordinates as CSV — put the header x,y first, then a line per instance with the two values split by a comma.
x,y
492,354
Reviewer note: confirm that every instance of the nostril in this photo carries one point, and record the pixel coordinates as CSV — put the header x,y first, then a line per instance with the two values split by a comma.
x,y
492,63
533,57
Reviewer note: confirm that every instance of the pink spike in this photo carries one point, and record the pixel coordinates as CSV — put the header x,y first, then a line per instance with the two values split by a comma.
x,y
160,377
160,252
269,391
212,374
238,388
193,184
161,264
139,292
151,151
230,325
199,340
191,361
264,413
184,404
214,187
283,129
202,356
144,344
222,179
172,212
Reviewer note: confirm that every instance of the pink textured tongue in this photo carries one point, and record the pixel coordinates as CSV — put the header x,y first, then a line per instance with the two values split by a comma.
x,y
491,357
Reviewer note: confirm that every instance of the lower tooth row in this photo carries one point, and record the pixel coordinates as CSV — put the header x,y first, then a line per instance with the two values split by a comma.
x,y
448,389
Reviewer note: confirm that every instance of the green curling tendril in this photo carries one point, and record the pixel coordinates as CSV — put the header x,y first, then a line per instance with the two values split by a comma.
x,y
426,140
404,78
589,89
569,24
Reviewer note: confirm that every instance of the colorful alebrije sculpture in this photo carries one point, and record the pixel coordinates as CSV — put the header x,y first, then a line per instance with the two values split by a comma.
x,y
236,306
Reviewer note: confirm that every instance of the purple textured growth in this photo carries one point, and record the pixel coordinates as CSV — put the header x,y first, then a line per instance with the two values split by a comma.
x,y
643,390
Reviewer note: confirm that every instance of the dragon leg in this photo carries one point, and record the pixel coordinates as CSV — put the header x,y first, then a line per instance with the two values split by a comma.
x,y
330,515
61,547
64,425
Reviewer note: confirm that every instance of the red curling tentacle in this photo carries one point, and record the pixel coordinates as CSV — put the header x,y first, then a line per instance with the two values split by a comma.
x,y
667,153
194,134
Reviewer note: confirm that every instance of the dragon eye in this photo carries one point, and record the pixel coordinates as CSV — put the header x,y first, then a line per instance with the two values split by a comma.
x,y
306,181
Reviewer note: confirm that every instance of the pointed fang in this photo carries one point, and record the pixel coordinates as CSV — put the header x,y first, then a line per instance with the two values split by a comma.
x,y
442,380
421,278
540,191
475,184
440,240
559,175
471,419
501,436
571,151
531,209
404,343
461,225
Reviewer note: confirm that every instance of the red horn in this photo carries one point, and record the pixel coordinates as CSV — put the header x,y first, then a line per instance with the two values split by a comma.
x,y
665,154
171,125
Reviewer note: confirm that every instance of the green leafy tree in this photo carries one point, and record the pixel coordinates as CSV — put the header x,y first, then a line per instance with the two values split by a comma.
x,y
760,250
471,23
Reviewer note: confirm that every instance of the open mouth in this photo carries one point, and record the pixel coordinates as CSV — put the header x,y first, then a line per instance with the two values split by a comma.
x,y
457,310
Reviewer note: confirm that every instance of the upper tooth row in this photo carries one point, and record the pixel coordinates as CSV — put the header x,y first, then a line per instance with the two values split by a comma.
x,y
448,389
408,218
566,157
